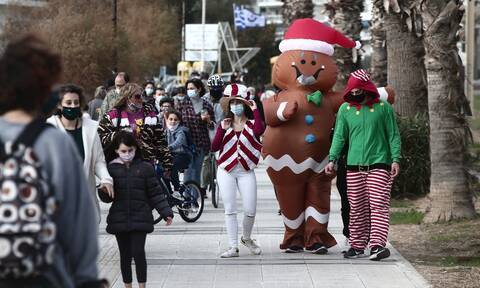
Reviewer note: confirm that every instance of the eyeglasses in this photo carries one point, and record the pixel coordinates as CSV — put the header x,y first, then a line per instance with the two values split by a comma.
x,y
137,96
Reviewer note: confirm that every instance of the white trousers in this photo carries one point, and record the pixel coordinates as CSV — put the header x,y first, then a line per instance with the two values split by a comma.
x,y
246,183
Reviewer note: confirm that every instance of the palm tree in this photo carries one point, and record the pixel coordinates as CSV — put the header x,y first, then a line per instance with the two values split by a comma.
x,y
450,193
405,53
378,61
296,9
345,16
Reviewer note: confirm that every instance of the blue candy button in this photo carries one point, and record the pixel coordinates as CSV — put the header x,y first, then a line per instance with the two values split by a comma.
x,y
310,138
309,119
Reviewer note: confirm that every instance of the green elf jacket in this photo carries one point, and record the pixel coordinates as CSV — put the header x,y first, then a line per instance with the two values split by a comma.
x,y
369,129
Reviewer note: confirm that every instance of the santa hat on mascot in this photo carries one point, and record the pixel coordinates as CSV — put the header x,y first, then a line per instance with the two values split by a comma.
x,y
311,35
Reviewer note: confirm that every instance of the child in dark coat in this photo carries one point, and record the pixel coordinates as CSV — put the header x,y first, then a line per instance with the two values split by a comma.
x,y
136,192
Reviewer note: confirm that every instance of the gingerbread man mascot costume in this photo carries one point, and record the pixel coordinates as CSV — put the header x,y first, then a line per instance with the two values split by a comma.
x,y
297,138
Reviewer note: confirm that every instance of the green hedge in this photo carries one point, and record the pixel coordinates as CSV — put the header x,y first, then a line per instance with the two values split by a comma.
x,y
414,178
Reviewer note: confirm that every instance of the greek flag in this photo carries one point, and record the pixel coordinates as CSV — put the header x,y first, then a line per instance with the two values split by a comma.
x,y
245,18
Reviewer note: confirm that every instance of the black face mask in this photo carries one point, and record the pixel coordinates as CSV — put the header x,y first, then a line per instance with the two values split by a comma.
x,y
71,113
357,98
216,94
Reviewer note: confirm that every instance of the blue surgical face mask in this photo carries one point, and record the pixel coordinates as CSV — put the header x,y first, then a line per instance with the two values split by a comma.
x,y
192,93
237,109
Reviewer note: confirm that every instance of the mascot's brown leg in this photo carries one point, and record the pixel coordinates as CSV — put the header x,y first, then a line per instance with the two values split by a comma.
x,y
291,199
317,211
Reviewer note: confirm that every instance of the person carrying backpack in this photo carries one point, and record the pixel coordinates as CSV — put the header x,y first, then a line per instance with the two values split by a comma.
x,y
137,192
48,228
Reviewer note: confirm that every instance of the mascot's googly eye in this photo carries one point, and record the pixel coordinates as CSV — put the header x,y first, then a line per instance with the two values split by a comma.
x,y
5,248
48,233
30,212
9,191
8,213
28,173
49,254
10,168
22,246
31,228
51,206
28,193
29,156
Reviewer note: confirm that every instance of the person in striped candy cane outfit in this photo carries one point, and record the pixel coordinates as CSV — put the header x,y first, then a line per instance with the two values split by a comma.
x,y
237,139
368,125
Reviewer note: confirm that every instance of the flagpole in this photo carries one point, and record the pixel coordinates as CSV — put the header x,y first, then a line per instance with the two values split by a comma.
x,y
202,57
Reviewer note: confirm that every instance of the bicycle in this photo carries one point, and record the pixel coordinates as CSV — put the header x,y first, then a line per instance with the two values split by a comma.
x,y
190,208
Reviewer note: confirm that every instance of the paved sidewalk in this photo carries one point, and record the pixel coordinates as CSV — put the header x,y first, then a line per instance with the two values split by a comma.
x,y
186,255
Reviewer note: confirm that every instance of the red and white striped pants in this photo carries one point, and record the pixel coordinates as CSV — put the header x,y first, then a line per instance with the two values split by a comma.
x,y
369,197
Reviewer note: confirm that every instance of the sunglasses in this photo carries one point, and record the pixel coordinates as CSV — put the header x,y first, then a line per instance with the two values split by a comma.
x,y
137,96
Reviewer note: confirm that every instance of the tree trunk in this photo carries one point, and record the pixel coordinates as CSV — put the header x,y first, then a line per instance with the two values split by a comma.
x,y
450,194
378,61
345,15
296,9
406,72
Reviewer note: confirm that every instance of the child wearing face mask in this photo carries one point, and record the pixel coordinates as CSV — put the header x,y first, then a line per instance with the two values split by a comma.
x,y
237,139
177,143
137,192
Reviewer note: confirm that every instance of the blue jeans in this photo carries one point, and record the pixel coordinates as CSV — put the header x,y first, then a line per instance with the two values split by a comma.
x,y
180,162
195,168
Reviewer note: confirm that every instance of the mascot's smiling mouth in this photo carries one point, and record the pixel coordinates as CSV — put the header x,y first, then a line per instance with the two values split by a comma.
x,y
307,80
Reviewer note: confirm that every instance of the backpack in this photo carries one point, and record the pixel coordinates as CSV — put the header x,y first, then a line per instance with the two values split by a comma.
x,y
27,208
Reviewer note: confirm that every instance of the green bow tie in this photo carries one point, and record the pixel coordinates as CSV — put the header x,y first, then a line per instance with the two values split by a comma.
x,y
315,97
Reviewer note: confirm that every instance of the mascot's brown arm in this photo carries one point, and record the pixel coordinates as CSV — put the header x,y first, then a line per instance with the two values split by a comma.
x,y
277,112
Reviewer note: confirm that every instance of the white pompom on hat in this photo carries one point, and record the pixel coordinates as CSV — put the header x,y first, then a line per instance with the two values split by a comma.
x,y
310,35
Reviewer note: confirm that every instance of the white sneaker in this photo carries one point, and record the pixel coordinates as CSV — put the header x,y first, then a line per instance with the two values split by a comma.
x,y
346,246
230,253
177,195
252,246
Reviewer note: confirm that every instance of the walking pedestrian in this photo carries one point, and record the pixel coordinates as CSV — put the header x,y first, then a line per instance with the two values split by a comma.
x,y
137,192
94,106
28,70
113,96
197,114
237,139
368,125
140,119
215,86
84,133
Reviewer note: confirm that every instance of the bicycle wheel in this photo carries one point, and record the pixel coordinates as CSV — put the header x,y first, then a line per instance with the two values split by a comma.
x,y
213,183
192,208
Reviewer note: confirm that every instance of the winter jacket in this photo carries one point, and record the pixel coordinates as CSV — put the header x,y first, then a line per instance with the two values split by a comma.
x,y
137,192
177,140
151,137
370,129
94,163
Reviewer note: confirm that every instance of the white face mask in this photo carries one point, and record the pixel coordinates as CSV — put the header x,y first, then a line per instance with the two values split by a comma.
x,y
172,127
117,90
127,157
149,91
192,93
180,98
